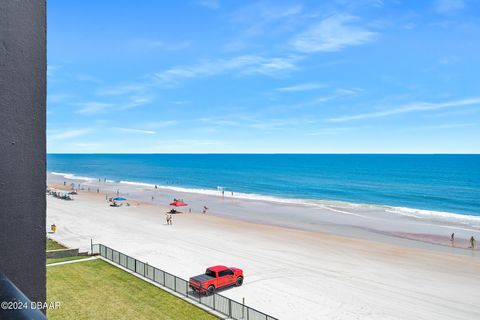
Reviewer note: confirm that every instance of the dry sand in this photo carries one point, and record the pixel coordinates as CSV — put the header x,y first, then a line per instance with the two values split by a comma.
x,y
289,273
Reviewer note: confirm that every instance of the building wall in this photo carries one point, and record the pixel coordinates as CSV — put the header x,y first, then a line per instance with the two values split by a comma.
x,y
22,144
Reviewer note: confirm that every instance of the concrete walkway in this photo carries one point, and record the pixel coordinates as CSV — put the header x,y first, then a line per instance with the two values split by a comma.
x,y
72,261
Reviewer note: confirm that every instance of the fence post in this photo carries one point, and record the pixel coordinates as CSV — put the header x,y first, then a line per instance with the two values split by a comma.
x,y
175,283
230,308
164,279
91,246
214,301
135,264
243,308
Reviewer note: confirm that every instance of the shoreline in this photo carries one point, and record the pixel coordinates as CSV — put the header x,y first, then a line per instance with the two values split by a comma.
x,y
447,216
370,222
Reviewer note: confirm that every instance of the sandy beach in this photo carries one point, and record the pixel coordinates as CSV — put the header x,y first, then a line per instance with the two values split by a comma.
x,y
300,263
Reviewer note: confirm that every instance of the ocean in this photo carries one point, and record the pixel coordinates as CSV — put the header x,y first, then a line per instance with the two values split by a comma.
x,y
445,183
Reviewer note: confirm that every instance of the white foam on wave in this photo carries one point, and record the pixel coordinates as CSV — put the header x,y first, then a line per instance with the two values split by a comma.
x,y
218,193
448,217
71,176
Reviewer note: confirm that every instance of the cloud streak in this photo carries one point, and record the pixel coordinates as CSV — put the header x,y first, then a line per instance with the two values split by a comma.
x,y
132,130
449,6
68,134
408,108
302,87
95,107
241,65
333,34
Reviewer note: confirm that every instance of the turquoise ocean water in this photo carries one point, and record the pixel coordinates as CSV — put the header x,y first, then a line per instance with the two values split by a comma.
x,y
447,183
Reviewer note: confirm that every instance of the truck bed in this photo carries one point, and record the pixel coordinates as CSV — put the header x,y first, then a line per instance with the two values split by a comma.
x,y
202,278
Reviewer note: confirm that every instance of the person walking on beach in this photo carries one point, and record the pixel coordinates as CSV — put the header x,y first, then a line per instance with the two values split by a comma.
x,y
472,242
452,237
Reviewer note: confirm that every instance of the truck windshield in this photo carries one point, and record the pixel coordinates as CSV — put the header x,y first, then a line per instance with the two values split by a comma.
x,y
210,273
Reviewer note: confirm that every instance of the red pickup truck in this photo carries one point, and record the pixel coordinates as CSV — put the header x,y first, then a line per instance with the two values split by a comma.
x,y
215,278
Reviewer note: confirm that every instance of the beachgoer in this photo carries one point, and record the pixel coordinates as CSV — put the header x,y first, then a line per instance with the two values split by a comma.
x,y
156,187
171,220
190,210
452,237
167,218
152,198
204,209
64,183
223,193
98,190
232,193
472,242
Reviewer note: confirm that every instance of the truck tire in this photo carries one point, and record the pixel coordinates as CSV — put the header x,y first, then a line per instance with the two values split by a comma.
x,y
239,281
211,289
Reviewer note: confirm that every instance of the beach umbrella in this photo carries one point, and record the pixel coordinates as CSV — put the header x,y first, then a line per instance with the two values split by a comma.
x,y
178,203
119,199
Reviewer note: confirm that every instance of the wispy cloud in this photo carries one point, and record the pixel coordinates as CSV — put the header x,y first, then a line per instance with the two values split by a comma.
x,y
52,69
261,18
242,65
87,78
132,130
160,124
68,134
210,4
95,107
302,87
448,126
331,131
58,97
333,34
92,107
121,90
408,108
449,6
337,94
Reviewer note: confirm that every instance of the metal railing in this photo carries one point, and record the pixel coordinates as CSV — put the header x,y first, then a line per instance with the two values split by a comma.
x,y
215,301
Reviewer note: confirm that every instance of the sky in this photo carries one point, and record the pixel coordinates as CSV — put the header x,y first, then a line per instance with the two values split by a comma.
x,y
218,76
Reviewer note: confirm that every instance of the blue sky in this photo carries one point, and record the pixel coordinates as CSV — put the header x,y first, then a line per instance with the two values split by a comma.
x,y
206,76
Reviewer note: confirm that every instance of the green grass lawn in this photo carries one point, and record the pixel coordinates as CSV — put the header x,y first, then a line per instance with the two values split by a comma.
x,y
53,245
54,260
97,290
